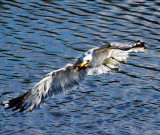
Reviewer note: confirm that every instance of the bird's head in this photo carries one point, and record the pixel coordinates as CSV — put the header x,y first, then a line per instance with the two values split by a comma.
x,y
84,60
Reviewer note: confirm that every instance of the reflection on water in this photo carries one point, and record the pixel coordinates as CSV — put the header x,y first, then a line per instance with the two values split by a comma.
x,y
38,37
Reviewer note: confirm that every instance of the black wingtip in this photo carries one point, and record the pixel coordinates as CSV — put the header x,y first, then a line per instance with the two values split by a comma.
x,y
2,104
15,104
140,44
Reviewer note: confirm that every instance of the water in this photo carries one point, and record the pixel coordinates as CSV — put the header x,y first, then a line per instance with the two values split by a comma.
x,y
40,36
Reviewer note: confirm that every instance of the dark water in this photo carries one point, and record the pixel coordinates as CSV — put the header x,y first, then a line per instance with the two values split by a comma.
x,y
37,37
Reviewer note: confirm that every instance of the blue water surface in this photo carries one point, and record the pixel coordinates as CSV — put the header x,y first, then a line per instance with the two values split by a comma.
x,y
38,37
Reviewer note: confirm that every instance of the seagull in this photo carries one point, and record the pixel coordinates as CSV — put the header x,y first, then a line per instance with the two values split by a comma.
x,y
96,61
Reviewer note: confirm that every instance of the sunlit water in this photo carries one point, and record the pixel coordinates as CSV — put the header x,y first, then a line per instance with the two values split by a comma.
x,y
37,37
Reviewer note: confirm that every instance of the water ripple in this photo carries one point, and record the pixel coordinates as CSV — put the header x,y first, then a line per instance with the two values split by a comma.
x,y
40,36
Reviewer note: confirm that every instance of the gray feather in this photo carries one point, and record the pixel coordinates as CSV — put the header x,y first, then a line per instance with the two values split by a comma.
x,y
54,83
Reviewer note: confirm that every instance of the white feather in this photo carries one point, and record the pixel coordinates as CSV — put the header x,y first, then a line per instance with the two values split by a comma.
x,y
99,70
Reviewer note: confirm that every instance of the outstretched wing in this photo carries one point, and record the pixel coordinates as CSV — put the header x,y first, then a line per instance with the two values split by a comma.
x,y
54,83
109,57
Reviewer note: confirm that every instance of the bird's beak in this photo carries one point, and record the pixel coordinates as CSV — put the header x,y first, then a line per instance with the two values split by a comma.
x,y
83,65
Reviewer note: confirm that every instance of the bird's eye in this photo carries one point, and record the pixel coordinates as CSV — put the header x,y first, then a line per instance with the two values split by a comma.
x,y
88,61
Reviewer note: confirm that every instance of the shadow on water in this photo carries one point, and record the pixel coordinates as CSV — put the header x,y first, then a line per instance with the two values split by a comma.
x,y
40,36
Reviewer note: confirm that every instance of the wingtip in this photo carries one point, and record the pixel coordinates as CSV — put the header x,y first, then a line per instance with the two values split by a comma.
x,y
14,104
140,44
5,104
